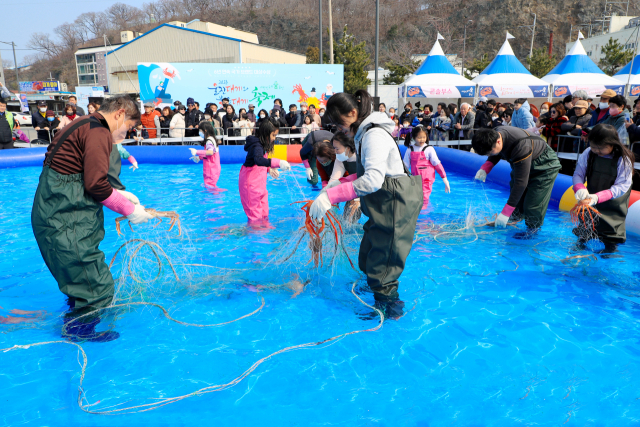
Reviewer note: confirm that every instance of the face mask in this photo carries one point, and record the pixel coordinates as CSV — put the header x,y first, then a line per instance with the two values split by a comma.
x,y
44,110
342,157
201,135
321,114
207,117
262,116
603,105
69,113
407,109
50,119
328,163
120,133
614,111
404,125
72,103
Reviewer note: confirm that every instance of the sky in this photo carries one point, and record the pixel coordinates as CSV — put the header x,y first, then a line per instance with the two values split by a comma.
x,y
51,14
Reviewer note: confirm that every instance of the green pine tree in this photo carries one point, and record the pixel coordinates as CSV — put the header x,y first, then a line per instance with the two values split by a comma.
x,y
615,56
477,66
313,55
398,71
540,64
355,59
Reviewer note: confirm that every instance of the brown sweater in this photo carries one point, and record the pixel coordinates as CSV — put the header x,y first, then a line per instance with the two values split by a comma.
x,y
86,151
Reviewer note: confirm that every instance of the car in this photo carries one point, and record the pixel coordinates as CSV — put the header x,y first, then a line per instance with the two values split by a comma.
x,y
24,119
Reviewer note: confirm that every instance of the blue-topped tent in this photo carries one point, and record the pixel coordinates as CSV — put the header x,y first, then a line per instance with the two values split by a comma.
x,y
506,77
436,78
578,72
633,79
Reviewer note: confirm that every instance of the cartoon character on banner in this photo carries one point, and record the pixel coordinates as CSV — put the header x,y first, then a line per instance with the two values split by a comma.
x,y
169,72
311,99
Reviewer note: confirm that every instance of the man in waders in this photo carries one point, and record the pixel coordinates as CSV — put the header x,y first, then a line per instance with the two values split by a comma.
x,y
534,168
67,217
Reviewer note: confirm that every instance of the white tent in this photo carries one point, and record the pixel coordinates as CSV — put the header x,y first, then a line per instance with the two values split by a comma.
x,y
436,78
634,79
506,77
578,72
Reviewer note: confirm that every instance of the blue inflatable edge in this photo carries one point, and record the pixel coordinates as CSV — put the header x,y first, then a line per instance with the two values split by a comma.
x,y
453,160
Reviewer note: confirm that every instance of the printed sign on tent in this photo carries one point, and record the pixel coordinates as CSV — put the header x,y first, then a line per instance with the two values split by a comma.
x,y
243,84
592,90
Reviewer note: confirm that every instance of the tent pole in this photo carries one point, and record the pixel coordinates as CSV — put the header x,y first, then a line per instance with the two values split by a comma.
x,y
635,52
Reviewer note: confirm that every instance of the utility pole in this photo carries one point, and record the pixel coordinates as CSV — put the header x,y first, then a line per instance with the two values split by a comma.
x,y
330,35
15,63
464,45
533,35
320,19
376,98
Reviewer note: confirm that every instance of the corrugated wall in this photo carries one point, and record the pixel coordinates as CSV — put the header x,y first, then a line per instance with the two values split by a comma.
x,y
256,54
167,44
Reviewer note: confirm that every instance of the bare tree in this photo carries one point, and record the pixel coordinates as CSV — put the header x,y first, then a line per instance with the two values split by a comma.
x,y
42,43
124,16
93,23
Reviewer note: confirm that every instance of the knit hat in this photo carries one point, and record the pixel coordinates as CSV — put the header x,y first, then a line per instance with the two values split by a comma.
x,y
50,113
483,99
149,104
608,93
190,101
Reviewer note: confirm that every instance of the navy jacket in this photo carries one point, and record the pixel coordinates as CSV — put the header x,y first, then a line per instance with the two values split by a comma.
x,y
255,153
594,118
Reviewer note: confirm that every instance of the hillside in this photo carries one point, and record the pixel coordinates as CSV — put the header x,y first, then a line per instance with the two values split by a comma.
x,y
406,27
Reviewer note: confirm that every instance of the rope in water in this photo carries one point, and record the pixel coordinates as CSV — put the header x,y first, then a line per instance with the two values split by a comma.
x,y
210,389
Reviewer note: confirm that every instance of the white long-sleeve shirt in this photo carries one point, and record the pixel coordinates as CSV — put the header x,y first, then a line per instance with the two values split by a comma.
x,y
379,154
339,168
622,183
429,153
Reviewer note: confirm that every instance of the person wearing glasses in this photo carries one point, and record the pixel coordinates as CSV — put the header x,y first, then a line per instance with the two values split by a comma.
x,y
553,125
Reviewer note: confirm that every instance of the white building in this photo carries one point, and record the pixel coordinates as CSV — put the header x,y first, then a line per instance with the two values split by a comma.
x,y
621,28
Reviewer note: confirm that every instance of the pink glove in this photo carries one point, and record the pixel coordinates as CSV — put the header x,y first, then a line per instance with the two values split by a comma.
x,y
487,166
440,170
508,210
118,203
349,178
132,160
604,195
579,186
275,163
341,193
306,164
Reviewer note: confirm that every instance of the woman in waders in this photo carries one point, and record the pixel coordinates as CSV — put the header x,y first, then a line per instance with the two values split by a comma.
x,y
389,196
67,217
607,168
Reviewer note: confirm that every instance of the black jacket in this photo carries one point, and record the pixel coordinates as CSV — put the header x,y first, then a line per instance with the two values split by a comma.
x,y
38,121
483,118
227,123
193,118
255,153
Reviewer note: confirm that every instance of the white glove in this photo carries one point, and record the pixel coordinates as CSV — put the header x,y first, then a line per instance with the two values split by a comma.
x,y
481,175
582,194
139,215
130,197
309,173
284,166
594,199
274,173
193,151
320,206
501,221
447,187
331,184
195,159
134,166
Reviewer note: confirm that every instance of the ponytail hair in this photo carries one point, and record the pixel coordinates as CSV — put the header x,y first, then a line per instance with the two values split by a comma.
x,y
604,134
414,133
207,128
341,104
267,127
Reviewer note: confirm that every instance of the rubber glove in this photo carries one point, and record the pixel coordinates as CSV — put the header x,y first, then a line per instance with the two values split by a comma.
x,y
130,197
481,175
320,206
309,173
593,199
447,187
194,157
134,166
193,151
274,173
501,221
582,194
285,166
139,215
331,184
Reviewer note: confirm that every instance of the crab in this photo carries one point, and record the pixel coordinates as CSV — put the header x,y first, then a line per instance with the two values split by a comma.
x,y
175,218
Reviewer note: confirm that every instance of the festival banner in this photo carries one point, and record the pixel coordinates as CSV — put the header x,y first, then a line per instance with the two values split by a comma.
x,y
243,84
40,86
436,91
514,91
592,90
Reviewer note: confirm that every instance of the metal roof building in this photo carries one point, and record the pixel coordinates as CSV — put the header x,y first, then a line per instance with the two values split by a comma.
x,y
172,43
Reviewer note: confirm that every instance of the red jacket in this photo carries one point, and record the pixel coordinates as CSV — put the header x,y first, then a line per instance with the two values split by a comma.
x,y
148,122
552,130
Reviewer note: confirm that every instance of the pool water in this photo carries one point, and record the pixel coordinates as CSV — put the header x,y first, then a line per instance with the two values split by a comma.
x,y
496,331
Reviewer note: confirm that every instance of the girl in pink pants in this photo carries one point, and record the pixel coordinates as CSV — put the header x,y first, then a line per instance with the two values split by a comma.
x,y
210,156
253,174
422,160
